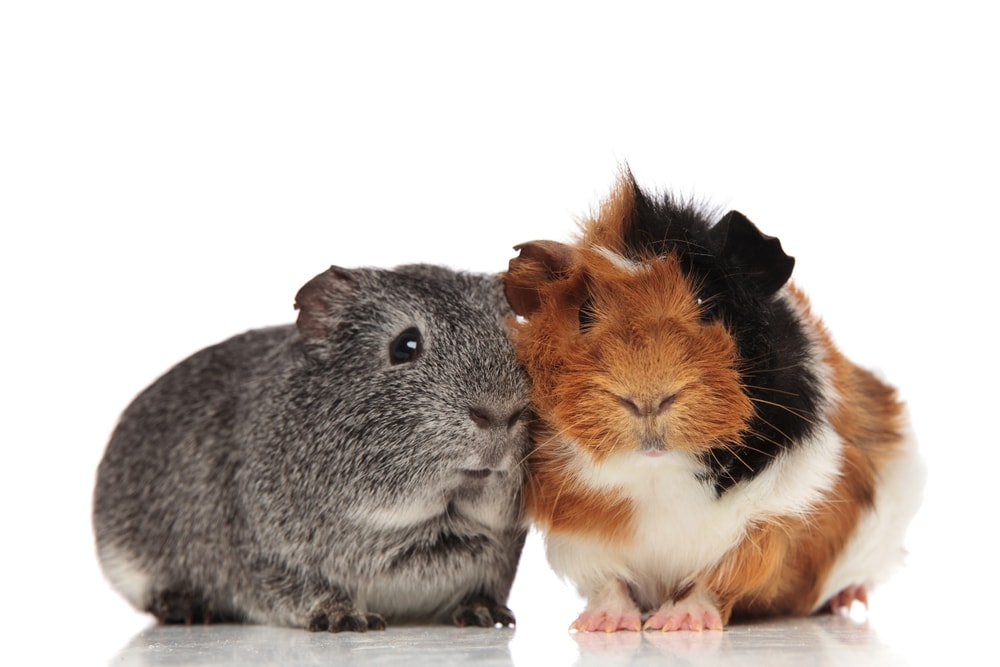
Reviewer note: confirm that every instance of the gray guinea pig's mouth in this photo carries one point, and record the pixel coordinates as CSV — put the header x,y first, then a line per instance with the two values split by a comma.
x,y
480,473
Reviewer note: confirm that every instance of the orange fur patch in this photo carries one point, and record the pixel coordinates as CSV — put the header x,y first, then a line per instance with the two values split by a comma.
x,y
606,228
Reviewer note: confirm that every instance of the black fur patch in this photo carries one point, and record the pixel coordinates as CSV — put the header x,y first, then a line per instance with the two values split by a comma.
x,y
739,273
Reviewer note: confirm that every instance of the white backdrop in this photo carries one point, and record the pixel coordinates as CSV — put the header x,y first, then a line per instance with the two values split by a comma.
x,y
171,173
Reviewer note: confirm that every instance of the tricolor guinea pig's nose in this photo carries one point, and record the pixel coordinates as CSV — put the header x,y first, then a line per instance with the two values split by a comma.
x,y
648,407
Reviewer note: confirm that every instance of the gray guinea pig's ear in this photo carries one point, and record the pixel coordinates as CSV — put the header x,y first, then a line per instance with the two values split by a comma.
x,y
321,301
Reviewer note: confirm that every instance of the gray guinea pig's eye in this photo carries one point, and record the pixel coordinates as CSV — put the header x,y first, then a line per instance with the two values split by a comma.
x,y
406,346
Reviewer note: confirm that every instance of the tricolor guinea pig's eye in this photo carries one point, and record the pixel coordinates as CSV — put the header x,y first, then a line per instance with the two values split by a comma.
x,y
587,315
708,306
406,346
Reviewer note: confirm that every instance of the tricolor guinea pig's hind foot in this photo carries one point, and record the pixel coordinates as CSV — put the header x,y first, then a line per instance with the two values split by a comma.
x,y
845,599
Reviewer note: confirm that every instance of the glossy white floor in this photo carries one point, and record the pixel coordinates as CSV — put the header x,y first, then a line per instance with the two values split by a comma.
x,y
828,640
900,629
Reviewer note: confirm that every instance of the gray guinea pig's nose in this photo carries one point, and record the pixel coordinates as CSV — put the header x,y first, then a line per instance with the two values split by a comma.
x,y
492,418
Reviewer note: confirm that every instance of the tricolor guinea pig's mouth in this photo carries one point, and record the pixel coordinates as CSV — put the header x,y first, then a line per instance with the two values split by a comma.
x,y
652,446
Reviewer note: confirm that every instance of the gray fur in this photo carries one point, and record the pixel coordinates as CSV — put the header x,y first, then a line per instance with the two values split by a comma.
x,y
294,476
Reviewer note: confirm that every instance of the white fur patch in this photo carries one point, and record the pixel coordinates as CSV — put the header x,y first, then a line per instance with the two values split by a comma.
x,y
795,481
621,262
876,548
403,516
484,502
125,576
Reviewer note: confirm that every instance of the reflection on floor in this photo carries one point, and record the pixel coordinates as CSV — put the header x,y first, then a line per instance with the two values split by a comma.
x,y
819,640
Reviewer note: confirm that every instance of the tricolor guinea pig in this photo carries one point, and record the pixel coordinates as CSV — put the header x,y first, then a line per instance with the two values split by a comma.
x,y
703,451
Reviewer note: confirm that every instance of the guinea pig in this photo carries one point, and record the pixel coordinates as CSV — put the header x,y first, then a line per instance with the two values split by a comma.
x,y
703,451
362,465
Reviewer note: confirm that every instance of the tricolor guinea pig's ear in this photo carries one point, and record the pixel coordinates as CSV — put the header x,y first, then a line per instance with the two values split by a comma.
x,y
322,300
538,263
758,257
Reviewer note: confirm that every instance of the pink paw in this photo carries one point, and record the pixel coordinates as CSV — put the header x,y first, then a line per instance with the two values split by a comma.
x,y
847,597
607,621
688,614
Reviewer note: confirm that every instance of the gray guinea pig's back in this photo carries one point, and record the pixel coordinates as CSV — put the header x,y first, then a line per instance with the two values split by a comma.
x,y
164,495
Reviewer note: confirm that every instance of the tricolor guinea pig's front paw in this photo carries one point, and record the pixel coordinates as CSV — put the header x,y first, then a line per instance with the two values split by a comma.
x,y
695,612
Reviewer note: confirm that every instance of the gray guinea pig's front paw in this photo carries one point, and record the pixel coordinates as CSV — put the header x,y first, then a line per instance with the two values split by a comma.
x,y
185,606
340,617
482,612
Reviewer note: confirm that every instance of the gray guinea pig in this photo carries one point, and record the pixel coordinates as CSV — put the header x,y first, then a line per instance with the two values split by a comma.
x,y
360,466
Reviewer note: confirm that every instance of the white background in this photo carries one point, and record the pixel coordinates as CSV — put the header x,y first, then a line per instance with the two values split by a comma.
x,y
171,173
